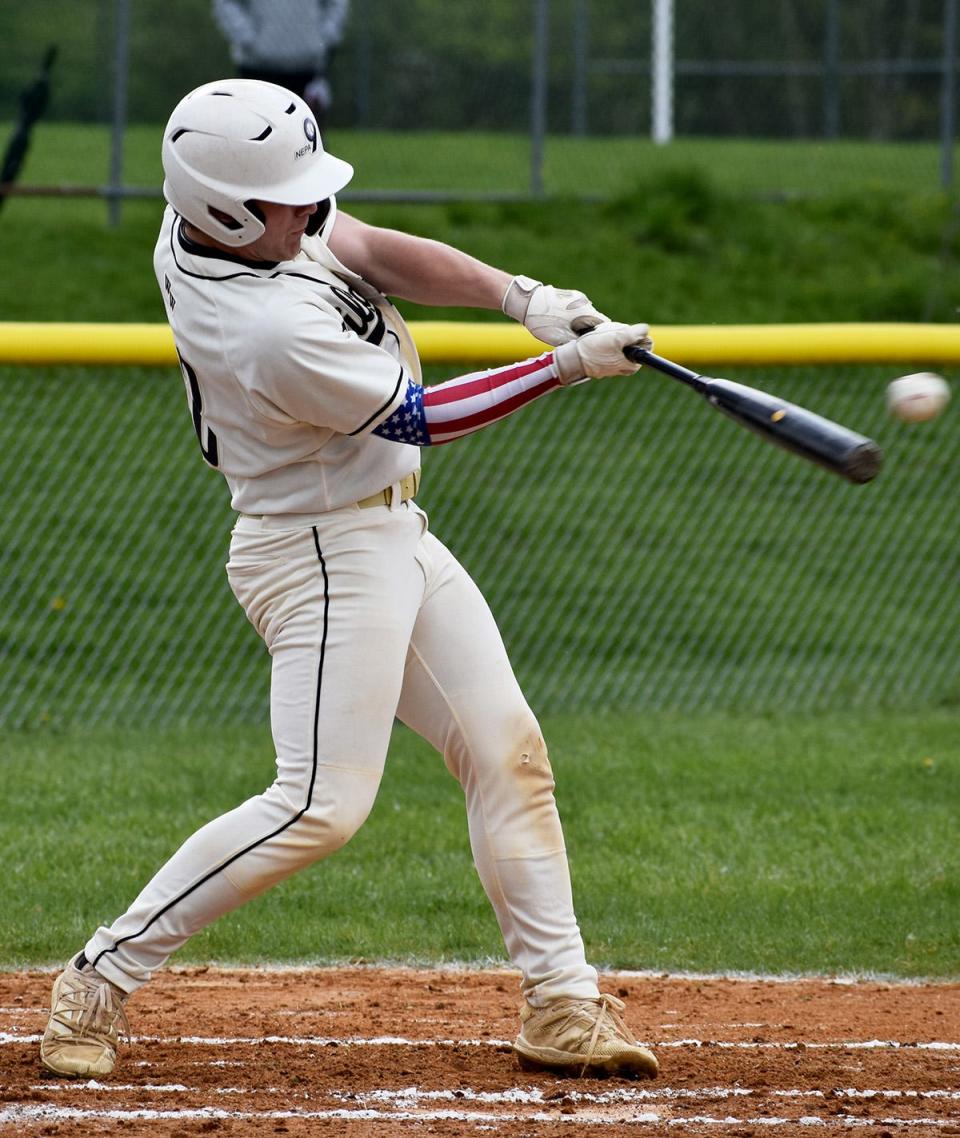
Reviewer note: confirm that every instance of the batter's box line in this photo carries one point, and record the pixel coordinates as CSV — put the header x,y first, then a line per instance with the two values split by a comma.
x,y
20,1115
398,1041
523,1095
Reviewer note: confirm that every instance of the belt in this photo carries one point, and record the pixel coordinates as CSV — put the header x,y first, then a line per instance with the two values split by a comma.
x,y
408,487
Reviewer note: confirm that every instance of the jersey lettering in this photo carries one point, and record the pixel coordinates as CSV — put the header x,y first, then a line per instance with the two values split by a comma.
x,y
168,288
209,445
359,315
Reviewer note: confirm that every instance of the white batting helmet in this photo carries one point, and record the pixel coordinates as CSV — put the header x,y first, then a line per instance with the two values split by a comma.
x,y
238,140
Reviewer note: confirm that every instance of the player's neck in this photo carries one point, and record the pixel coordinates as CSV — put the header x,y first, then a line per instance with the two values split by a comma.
x,y
198,237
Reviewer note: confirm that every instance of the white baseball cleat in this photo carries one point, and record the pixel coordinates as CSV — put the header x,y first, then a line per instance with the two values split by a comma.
x,y
82,1032
582,1037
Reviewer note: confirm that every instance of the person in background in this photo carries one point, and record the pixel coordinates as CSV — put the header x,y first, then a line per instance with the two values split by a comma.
x,y
288,42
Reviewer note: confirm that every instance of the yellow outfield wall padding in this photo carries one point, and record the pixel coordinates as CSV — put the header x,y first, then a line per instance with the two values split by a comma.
x,y
483,344
120,344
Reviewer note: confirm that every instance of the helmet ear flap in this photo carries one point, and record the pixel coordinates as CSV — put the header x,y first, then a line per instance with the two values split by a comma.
x,y
319,217
224,219
246,218
257,212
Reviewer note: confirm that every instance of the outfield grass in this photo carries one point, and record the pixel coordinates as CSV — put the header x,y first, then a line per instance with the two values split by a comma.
x,y
475,162
694,232
780,843
715,843
673,247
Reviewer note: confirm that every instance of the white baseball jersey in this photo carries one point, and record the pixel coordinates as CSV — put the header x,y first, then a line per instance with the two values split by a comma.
x,y
288,368
367,616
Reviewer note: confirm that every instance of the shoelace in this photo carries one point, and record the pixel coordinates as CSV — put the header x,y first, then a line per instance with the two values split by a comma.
x,y
610,1007
99,1008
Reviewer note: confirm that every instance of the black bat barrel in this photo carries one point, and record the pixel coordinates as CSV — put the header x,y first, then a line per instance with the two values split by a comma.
x,y
831,445
840,450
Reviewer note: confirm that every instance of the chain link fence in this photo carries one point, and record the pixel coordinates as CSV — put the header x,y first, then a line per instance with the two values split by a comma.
x,y
822,70
639,550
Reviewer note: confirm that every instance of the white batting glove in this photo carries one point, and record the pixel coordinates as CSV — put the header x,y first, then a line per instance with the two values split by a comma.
x,y
549,313
600,352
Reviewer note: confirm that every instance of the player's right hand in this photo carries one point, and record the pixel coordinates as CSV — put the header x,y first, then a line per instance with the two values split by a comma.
x,y
553,315
600,352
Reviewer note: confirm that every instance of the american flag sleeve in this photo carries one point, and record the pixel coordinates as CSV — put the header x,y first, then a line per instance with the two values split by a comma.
x,y
430,416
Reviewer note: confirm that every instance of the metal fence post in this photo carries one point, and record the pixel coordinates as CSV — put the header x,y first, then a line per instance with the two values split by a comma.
x,y
121,60
661,67
948,92
581,56
831,71
362,68
538,99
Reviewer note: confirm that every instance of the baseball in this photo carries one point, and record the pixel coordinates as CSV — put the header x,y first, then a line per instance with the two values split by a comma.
x,y
916,398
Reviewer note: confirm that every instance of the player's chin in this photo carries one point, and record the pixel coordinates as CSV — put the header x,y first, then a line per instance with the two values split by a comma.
x,y
292,247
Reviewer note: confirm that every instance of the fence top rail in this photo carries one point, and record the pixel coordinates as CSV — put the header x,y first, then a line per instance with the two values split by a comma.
x,y
440,341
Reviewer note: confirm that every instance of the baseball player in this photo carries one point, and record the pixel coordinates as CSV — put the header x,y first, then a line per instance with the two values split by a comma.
x,y
304,389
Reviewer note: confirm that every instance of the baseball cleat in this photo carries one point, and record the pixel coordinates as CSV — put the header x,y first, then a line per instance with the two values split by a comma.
x,y
582,1038
82,1032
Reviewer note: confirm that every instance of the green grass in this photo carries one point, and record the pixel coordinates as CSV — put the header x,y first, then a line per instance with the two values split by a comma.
x,y
778,843
713,843
673,248
80,154
695,232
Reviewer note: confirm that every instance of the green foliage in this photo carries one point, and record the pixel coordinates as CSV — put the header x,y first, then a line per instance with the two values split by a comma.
x,y
776,845
676,212
686,237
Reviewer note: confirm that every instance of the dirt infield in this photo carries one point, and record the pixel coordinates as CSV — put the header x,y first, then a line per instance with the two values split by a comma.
x,y
373,1053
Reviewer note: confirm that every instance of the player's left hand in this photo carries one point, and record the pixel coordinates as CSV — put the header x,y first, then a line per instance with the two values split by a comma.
x,y
550,313
600,352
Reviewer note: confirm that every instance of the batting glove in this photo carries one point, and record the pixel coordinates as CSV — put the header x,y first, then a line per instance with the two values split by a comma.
x,y
549,313
600,352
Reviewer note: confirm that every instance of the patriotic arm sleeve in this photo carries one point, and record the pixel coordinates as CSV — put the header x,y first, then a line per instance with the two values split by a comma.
x,y
430,416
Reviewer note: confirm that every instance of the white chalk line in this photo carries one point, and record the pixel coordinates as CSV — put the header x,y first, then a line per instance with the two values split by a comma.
x,y
632,1104
494,969
535,1096
9,1038
20,1115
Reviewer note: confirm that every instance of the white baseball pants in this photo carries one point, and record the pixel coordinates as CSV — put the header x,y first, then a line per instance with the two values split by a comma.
x,y
367,616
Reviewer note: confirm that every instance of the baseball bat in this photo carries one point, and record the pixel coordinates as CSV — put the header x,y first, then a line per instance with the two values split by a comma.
x,y
830,445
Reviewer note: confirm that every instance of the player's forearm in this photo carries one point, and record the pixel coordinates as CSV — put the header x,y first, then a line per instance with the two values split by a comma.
x,y
457,407
417,268
446,411
429,272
